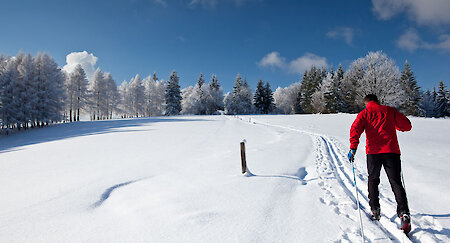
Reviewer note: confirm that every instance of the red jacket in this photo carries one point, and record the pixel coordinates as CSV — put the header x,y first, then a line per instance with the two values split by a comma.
x,y
380,123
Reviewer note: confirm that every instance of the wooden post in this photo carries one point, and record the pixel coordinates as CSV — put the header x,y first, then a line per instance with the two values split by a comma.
x,y
243,161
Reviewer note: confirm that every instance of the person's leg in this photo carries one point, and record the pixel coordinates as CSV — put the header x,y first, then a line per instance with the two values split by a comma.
x,y
373,168
393,167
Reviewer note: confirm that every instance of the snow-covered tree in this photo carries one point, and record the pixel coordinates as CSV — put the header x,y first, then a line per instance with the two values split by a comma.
x,y
31,91
201,96
242,98
154,96
24,90
125,106
173,95
189,101
112,96
198,100
215,96
323,99
49,89
376,74
76,92
285,98
136,93
309,85
227,102
335,100
411,104
97,90
8,73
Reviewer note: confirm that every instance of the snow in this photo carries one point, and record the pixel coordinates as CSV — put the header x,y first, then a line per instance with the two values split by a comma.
x,y
178,179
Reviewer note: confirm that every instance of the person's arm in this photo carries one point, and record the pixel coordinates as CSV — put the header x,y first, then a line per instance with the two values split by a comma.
x,y
402,123
356,130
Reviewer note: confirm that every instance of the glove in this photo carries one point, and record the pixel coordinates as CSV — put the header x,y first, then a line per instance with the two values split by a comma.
x,y
351,155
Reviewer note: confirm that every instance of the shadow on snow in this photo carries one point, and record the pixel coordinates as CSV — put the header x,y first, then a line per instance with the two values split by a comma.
x,y
299,176
108,192
78,129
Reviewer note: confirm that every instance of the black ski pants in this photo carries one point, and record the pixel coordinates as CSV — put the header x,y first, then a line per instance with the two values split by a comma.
x,y
393,167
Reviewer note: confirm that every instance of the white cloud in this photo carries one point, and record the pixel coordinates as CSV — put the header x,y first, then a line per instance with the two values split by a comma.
x,y
163,3
345,33
444,43
272,60
386,9
305,62
424,12
86,60
299,65
411,41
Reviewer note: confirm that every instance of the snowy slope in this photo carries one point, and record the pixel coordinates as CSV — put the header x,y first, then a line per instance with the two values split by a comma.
x,y
178,179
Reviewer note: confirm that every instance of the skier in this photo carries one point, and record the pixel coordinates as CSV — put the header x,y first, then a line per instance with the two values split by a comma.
x,y
382,149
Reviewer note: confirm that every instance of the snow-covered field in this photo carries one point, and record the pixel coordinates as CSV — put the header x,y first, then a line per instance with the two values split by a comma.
x,y
177,179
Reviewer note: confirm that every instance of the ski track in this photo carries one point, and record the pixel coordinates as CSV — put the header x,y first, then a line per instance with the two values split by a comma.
x,y
332,167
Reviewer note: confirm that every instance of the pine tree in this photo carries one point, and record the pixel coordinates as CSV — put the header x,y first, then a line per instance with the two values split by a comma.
x,y
263,98
215,98
200,96
246,98
269,101
301,94
241,102
232,107
448,101
259,98
428,104
310,83
323,100
442,101
337,89
173,95
411,105
435,100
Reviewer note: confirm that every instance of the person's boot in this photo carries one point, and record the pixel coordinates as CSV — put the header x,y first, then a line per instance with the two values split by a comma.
x,y
406,222
376,214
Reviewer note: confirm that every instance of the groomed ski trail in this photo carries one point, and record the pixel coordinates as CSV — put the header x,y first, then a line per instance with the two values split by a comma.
x,y
332,166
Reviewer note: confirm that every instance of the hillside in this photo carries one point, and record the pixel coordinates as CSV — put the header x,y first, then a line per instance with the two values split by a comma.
x,y
177,179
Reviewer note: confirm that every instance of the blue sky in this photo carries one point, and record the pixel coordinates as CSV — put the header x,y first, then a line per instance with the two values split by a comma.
x,y
272,40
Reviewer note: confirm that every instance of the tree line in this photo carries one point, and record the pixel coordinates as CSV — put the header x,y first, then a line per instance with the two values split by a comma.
x,y
35,92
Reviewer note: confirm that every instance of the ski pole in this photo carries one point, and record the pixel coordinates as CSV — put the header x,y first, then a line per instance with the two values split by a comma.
x,y
403,181
357,200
